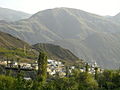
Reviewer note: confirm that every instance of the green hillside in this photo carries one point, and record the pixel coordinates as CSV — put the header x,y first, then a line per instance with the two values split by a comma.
x,y
13,48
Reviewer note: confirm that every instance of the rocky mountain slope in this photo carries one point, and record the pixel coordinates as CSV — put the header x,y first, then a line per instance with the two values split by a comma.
x,y
116,18
89,36
56,52
14,47
7,41
12,15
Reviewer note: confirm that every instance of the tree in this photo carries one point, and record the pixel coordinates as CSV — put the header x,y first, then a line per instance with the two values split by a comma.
x,y
86,81
86,68
96,73
106,80
6,82
42,67
67,71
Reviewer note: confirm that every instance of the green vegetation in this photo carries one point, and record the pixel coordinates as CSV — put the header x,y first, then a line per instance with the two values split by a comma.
x,y
108,80
42,67
77,80
12,48
15,53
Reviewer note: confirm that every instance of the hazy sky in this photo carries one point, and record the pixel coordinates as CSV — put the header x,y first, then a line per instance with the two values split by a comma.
x,y
101,7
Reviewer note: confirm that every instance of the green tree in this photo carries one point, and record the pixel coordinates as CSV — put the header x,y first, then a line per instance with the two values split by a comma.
x,y
86,68
6,82
42,67
107,78
96,73
86,81
67,71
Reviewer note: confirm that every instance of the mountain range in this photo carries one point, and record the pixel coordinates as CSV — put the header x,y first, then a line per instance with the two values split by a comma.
x,y
55,52
8,41
89,36
12,15
10,44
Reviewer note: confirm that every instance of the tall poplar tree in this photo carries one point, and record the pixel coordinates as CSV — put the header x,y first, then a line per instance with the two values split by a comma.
x,y
86,68
42,67
96,73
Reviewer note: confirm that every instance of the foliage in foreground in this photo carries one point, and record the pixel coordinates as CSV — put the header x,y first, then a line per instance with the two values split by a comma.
x,y
108,80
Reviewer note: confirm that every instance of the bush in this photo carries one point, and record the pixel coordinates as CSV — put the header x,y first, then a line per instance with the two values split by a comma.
x,y
6,82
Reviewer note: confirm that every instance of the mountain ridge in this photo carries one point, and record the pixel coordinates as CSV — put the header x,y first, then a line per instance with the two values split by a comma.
x,y
56,52
12,15
14,47
71,29
7,41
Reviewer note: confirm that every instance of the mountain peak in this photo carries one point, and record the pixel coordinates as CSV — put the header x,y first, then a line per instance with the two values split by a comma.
x,y
74,29
57,9
117,15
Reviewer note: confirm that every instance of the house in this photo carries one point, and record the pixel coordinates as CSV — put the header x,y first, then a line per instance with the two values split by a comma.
x,y
25,65
27,78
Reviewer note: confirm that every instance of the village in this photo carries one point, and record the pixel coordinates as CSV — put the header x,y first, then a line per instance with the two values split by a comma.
x,y
53,67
